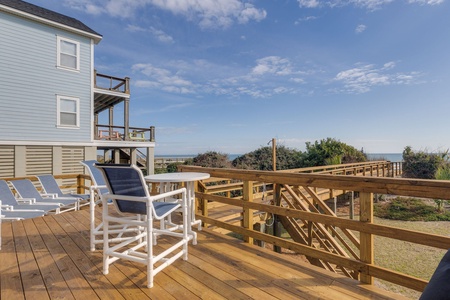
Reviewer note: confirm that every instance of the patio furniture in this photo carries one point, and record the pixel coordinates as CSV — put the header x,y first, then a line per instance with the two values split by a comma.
x,y
26,190
130,195
8,213
438,287
166,181
107,135
50,186
8,198
97,190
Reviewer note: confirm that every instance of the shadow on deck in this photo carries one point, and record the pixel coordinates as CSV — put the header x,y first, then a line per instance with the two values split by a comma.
x,y
49,258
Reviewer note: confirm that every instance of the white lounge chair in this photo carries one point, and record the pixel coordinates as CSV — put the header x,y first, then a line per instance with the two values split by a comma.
x,y
50,186
26,190
9,199
129,194
8,213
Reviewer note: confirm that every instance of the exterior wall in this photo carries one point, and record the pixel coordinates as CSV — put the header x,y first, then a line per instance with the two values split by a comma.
x,y
31,80
21,161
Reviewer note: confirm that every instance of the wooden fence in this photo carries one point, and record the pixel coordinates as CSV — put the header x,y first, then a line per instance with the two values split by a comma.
x,y
210,193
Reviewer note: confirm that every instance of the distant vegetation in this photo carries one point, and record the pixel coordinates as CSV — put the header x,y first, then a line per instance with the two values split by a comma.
x,y
410,209
328,151
424,165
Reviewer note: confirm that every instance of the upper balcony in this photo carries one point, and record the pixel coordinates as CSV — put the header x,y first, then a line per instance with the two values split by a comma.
x,y
110,91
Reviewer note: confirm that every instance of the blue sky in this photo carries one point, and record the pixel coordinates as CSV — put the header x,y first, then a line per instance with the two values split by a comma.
x,y
230,75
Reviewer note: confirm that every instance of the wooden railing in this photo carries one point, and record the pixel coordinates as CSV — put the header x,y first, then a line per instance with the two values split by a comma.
x,y
362,264
111,83
117,133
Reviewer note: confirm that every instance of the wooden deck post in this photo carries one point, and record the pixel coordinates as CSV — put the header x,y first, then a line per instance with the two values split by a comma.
x,y
80,185
248,213
366,239
276,223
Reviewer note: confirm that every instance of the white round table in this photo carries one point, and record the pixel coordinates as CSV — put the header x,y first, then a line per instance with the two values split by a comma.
x,y
189,178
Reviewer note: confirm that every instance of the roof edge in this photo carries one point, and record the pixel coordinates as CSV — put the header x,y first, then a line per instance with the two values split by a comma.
x,y
96,37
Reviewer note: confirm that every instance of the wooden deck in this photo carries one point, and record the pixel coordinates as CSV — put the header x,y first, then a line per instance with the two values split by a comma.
x,y
49,258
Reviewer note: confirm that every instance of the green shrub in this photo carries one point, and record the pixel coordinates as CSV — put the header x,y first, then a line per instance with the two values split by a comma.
x,y
261,159
422,164
330,151
409,209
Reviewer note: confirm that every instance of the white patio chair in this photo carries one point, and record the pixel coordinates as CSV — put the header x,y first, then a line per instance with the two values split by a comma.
x,y
26,190
97,190
8,213
9,199
50,186
130,195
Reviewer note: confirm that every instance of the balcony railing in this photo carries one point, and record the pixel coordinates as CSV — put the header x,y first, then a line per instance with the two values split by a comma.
x,y
117,133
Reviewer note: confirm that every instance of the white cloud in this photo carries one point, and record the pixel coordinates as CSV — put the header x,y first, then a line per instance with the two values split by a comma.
x,y
207,13
360,28
362,78
368,4
163,79
161,35
428,2
157,33
272,65
308,3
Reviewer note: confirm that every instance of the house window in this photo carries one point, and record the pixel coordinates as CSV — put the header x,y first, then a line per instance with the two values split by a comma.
x,y
68,54
68,111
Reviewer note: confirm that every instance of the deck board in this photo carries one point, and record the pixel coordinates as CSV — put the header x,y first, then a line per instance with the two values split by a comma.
x,y
49,258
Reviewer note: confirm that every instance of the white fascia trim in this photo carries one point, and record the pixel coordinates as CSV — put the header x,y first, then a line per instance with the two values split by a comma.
x,y
96,143
96,38
92,90
112,93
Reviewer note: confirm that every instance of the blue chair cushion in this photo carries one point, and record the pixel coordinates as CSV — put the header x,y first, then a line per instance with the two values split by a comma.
x,y
439,286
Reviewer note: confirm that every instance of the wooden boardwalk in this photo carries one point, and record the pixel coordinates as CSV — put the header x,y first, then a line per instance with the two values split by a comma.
x,y
49,258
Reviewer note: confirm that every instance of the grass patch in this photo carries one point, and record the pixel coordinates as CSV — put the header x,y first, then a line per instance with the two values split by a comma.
x,y
409,209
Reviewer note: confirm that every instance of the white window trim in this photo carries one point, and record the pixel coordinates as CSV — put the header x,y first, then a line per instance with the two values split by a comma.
x,y
58,112
58,53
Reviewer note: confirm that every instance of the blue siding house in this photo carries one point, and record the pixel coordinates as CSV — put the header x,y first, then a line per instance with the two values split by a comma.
x,y
51,97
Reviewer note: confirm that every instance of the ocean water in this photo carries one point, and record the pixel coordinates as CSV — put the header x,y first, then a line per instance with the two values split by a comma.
x,y
393,157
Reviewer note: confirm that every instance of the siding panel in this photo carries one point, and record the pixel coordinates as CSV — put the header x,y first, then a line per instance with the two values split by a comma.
x,y
31,82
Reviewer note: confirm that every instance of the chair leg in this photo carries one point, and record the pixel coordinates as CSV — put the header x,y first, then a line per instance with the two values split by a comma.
x,y
105,241
150,240
92,215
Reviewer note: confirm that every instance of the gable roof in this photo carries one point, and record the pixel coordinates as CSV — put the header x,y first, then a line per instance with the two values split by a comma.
x,y
48,16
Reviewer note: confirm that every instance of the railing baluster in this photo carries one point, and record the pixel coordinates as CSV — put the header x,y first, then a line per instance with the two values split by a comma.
x,y
248,213
366,239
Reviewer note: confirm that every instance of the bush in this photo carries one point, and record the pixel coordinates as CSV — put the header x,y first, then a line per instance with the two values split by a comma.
x,y
261,159
331,152
409,209
421,164
210,159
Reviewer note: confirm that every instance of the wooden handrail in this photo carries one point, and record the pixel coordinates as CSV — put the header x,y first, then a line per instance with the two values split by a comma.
x,y
366,186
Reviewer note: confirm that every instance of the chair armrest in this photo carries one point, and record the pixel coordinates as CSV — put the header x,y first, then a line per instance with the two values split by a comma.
x,y
51,195
6,207
26,200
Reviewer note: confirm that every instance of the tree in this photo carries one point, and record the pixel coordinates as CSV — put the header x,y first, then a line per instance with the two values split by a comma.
x,y
330,151
422,164
210,159
261,159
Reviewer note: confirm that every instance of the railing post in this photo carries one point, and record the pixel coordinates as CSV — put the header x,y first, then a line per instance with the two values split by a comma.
x,y
276,225
152,133
248,213
80,185
366,239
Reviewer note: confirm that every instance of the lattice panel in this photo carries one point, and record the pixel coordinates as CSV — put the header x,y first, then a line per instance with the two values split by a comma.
x,y
6,161
39,160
